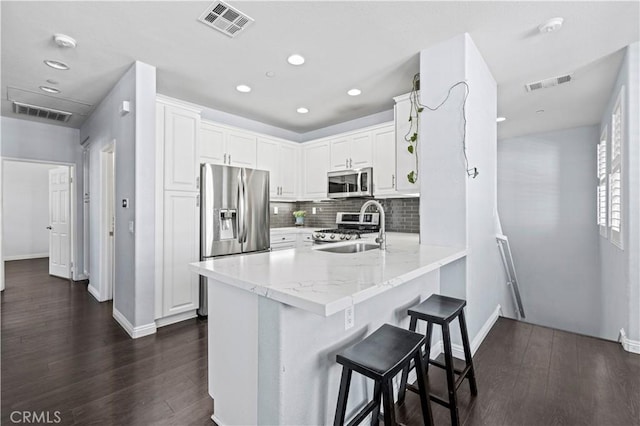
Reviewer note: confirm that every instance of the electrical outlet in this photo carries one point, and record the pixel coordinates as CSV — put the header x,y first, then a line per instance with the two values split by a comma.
x,y
313,210
275,210
349,317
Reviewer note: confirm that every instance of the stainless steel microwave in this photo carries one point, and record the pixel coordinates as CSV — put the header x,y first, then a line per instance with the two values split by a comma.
x,y
350,183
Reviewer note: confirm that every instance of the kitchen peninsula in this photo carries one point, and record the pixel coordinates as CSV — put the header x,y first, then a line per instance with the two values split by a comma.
x,y
276,321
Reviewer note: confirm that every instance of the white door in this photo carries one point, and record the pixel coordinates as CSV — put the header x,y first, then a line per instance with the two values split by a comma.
x,y
384,161
340,153
59,226
268,158
212,144
287,172
241,149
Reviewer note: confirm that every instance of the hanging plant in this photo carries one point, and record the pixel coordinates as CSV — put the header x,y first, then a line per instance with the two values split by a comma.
x,y
414,119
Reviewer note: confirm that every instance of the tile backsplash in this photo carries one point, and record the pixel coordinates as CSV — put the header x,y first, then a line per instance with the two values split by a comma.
x,y
402,214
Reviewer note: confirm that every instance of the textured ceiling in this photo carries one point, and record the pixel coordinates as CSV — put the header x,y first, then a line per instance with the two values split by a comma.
x,y
370,45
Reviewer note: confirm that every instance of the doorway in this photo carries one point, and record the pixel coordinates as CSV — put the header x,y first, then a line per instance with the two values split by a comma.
x,y
38,219
107,221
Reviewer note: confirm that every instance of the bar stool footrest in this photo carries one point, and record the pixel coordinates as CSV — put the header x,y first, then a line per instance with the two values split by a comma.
x,y
363,413
444,367
433,397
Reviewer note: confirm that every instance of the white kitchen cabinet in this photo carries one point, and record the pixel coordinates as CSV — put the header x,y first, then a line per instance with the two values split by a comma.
x,y
181,156
316,166
304,239
283,241
181,246
223,145
384,164
351,151
279,159
405,161
212,144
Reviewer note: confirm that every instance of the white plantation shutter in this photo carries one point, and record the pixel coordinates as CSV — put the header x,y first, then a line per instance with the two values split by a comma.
x,y
615,176
601,197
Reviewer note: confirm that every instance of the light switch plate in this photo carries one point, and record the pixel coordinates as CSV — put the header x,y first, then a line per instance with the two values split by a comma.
x,y
349,317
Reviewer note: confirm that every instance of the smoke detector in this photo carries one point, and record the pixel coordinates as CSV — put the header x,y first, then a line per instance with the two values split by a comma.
x,y
553,24
64,41
224,18
549,82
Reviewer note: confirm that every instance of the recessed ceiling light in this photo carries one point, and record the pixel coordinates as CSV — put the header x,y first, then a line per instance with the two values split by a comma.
x,y
500,119
64,41
302,110
57,64
243,88
540,111
553,24
295,59
270,74
52,81
49,89
354,92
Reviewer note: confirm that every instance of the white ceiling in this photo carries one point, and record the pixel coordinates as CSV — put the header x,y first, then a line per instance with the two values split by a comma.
x,y
370,45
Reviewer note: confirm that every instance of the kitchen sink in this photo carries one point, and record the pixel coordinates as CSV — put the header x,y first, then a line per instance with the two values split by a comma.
x,y
350,248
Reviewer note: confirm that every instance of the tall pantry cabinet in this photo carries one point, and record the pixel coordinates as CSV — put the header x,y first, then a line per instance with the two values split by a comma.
x,y
177,210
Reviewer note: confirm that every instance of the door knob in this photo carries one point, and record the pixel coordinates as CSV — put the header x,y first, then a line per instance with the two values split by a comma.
x,y
49,228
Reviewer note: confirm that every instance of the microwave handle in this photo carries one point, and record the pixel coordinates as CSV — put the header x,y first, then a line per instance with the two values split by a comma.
x,y
359,181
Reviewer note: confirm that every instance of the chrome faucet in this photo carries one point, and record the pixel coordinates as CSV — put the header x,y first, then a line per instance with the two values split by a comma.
x,y
382,236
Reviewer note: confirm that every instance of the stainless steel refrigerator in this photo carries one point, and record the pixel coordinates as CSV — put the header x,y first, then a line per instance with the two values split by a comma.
x,y
234,214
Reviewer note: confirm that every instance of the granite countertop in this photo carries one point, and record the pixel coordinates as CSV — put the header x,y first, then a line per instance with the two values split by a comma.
x,y
325,283
293,229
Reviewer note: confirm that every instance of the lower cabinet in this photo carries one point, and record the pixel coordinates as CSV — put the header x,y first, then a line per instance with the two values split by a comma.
x,y
283,241
181,246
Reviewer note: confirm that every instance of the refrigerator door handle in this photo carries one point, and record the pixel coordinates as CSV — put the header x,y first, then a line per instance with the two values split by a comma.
x,y
245,204
241,207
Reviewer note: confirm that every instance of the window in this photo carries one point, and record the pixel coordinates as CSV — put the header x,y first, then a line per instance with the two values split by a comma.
x,y
615,174
601,198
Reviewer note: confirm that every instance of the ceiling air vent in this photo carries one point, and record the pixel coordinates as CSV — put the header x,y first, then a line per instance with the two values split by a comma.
x,y
42,112
225,18
549,82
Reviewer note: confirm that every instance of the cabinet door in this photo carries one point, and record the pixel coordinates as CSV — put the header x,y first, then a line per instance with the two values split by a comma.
x,y
316,166
340,154
361,151
384,160
268,158
287,172
241,149
181,246
211,144
181,159
405,161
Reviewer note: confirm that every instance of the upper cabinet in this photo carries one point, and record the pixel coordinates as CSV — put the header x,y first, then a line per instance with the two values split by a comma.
x,y
179,129
279,158
405,161
384,156
223,145
352,151
316,163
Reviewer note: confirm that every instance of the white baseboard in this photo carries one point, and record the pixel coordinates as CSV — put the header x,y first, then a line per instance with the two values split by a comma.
x,y
629,345
436,349
26,256
172,319
458,351
217,420
134,332
94,292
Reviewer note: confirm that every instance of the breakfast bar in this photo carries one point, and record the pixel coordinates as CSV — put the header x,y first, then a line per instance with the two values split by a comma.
x,y
277,319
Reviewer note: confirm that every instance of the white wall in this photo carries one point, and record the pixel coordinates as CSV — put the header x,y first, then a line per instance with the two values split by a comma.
x,y
454,208
621,267
28,140
135,181
547,204
25,189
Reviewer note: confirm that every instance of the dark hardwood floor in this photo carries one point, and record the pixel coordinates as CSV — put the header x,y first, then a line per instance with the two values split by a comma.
x,y
62,351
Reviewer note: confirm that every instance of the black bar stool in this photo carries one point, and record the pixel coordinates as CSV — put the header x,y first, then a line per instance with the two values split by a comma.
x,y
380,357
443,310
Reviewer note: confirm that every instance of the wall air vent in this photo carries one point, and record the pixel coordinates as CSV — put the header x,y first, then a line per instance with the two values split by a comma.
x,y
42,112
549,82
225,18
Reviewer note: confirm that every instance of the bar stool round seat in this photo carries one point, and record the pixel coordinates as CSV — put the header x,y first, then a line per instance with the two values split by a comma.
x,y
442,310
380,357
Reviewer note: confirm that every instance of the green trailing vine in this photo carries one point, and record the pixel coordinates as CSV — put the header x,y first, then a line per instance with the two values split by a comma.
x,y
414,119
